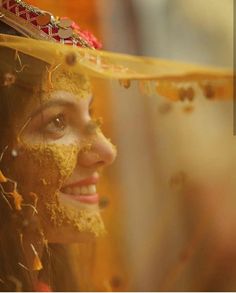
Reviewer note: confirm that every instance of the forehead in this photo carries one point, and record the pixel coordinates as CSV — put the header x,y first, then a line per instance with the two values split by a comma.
x,y
61,98
53,88
63,83
63,80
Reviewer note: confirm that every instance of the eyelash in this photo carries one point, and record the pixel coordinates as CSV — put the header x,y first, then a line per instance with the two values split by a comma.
x,y
55,126
53,129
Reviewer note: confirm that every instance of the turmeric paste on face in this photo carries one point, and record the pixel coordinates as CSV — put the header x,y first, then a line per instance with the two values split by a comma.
x,y
53,164
42,168
61,80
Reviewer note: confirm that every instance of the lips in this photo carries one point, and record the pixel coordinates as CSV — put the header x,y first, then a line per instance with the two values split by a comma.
x,y
84,191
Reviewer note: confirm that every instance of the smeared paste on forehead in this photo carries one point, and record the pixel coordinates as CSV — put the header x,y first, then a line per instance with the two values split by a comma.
x,y
37,90
61,79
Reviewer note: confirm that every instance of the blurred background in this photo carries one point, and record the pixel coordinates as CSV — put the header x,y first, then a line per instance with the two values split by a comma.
x,y
169,199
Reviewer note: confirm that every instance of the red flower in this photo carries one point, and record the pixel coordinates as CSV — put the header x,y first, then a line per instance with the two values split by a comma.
x,y
88,36
93,41
75,26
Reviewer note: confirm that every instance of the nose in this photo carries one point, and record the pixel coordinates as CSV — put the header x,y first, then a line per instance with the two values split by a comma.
x,y
99,152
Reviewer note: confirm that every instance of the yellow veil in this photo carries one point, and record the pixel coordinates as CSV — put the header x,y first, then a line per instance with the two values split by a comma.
x,y
171,79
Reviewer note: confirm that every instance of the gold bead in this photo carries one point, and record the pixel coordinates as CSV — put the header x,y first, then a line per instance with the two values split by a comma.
x,y
125,83
209,91
71,59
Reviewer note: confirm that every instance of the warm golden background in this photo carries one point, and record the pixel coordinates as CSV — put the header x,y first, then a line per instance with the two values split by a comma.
x,y
171,217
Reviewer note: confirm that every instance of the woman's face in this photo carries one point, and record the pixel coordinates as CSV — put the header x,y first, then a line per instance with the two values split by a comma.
x,y
58,154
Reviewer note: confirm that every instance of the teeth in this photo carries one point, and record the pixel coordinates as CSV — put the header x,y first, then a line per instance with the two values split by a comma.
x,y
83,190
92,189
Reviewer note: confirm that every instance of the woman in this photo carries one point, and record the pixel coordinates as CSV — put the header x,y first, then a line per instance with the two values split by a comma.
x,y
52,150
52,154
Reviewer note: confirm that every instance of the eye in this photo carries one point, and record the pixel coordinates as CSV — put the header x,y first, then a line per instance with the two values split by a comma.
x,y
56,126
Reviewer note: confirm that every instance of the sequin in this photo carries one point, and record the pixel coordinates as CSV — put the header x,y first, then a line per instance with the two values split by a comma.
x,y
65,23
43,19
65,33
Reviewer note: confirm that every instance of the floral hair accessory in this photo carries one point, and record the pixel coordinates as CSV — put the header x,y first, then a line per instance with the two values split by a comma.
x,y
93,41
38,24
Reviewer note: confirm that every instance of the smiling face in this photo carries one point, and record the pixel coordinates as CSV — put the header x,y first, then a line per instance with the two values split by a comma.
x,y
57,156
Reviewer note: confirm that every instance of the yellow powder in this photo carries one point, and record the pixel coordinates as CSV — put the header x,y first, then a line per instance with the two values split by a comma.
x,y
55,163
66,80
81,220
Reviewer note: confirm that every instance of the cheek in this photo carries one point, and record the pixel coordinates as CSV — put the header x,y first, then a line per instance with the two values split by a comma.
x,y
43,168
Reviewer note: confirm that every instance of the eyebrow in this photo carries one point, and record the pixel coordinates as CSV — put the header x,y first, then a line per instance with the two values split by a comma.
x,y
56,102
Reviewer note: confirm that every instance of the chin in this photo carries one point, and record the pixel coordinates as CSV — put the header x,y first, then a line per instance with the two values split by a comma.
x,y
72,221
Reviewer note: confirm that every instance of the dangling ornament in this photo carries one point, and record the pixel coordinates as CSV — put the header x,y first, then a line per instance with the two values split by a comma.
x,y
37,264
17,199
2,177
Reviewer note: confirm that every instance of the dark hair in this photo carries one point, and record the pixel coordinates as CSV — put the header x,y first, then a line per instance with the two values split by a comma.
x,y
6,29
19,78
13,98
5,109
